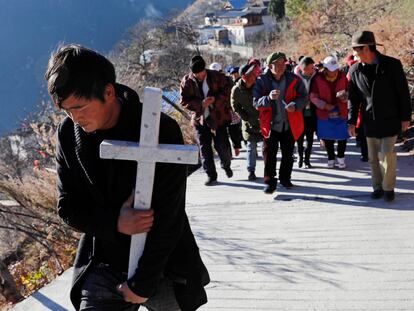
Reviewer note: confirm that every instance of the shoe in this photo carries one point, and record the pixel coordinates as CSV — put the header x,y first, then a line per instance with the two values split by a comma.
x,y
211,181
229,172
236,151
307,164
389,195
376,194
287,184
364,158
341,163
252,176
300,162
270,188
331,163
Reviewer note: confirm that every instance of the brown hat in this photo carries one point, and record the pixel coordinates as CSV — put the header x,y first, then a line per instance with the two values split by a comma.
x,y
362,38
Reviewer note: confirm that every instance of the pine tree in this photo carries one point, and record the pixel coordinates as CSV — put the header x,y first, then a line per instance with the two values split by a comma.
x,y
277,8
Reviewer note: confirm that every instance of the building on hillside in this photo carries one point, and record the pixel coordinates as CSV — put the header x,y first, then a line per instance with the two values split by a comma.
x,y
208,33
262,7
241,24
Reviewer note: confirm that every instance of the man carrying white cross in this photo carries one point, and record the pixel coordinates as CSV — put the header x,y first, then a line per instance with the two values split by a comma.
x,y
96,196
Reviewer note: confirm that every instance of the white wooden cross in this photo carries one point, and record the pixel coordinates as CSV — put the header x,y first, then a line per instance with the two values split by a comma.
x,y
147,152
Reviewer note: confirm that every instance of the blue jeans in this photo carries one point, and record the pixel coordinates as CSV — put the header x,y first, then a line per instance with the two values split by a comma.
x,y
251,155
99,293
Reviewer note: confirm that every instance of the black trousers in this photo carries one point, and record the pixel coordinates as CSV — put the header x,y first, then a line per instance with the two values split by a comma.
x,y
308,133
270,147
99,293
330,148
235,134
221,144
361,138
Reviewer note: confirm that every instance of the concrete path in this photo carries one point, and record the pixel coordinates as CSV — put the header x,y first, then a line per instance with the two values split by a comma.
x,y
323,245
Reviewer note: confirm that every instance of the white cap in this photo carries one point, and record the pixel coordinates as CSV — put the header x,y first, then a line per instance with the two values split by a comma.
x,y
215,66
330,63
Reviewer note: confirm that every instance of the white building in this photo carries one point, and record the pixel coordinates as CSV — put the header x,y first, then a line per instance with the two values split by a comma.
x,y
209,32
242,24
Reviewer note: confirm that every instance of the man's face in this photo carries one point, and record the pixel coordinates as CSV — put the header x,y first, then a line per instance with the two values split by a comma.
x,y
308,70
250,79
200,76
90,114
235,76
362,52
278,67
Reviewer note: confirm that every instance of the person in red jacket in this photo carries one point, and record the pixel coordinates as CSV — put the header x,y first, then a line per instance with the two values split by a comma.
x,y
306,71
279,96
329,95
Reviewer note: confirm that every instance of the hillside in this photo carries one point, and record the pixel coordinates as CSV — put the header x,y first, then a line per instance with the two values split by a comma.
x,y
318,28
31,29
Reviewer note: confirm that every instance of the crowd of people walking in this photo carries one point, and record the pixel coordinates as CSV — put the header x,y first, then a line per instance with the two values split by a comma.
x,y
277,106
279,102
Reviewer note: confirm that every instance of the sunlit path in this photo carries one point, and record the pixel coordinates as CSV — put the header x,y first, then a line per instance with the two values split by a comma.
x,y
323,245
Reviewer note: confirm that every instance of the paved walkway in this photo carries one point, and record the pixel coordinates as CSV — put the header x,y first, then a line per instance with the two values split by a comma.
x,y
323,245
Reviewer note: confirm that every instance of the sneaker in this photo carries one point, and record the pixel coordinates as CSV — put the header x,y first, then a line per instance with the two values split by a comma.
x,y
341,163
331,163
252,176
270,188
389,195
376,194
287,184
211,181
229,172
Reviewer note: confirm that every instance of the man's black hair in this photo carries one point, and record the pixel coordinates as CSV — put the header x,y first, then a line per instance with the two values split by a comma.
x,y
305,61
79,71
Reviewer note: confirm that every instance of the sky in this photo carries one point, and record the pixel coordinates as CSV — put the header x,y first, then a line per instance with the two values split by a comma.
x,y
31,29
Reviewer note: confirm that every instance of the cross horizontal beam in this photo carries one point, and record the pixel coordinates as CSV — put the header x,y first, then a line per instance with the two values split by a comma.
x,y
133,151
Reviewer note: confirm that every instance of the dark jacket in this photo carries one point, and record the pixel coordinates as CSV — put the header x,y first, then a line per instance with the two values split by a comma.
x,y
90,194
219,87
386,104
242,102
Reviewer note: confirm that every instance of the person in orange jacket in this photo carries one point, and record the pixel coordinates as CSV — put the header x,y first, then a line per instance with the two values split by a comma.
x,y
279,96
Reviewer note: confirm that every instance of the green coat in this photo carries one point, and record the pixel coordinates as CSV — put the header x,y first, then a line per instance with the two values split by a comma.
x,y
241,99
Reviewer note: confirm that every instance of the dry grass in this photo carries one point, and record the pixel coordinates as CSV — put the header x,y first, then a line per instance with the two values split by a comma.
x,y
328,28
49,245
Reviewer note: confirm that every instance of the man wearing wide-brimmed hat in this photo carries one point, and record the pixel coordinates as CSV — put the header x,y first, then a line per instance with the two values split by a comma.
x,y
378,87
